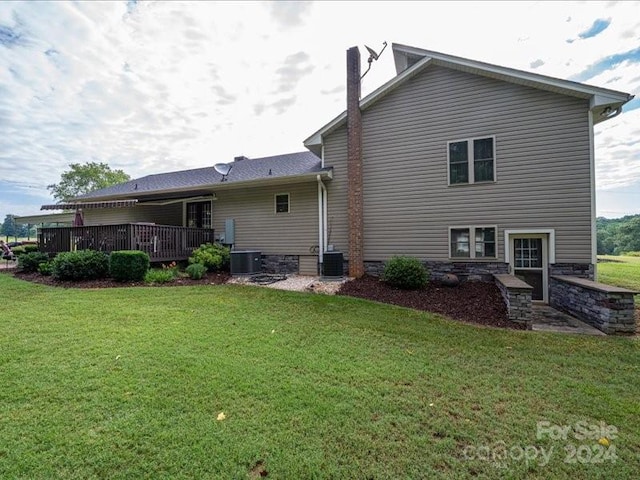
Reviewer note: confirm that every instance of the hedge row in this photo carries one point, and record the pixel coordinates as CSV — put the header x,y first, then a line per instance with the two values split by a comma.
x,y
126,265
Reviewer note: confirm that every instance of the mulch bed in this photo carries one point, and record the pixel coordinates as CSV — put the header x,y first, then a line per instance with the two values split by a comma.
x,y
208,279
473,302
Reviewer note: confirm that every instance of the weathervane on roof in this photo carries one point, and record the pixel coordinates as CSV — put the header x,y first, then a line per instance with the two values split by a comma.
x,y
373,56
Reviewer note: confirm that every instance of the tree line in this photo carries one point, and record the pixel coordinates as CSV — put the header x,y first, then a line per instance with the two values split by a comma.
x,y
618,235
11,229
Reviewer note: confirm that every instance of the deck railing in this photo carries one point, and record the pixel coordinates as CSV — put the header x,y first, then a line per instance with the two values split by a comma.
x,y
161,242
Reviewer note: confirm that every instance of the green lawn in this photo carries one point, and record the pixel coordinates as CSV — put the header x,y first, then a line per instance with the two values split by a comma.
x,y
128,383
620,271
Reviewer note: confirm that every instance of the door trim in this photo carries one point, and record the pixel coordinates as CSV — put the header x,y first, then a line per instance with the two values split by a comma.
x,y
551,258
544,269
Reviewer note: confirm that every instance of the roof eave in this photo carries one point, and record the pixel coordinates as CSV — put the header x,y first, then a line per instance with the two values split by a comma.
x,y
45,218
535,80
600,98
315,140
227,185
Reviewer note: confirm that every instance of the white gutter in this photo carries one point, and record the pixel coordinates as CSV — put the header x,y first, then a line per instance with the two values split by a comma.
x,y
592,184
322,220
229,185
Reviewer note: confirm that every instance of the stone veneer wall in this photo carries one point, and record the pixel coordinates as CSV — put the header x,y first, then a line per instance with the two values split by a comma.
x,y
280,263
517,297
464,270
610,309
583,270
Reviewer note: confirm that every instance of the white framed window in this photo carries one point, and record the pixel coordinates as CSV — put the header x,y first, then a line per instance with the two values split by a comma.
x,y
473,242
282,203
471,160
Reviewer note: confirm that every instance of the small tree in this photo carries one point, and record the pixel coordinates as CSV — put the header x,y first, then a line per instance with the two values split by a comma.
x,y
9,227
80,179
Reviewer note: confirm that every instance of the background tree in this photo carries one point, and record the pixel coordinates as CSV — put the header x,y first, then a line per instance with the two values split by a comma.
x,y
628,236
81,179
9,227
618,235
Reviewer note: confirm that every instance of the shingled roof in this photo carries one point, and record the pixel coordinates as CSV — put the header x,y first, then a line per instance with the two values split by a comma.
x,y
243,170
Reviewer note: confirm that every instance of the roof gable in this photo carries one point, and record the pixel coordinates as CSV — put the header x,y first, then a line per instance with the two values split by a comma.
x,y
410,61
403,56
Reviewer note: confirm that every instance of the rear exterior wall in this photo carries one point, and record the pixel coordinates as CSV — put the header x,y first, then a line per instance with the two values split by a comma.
x,y
542,167
259,227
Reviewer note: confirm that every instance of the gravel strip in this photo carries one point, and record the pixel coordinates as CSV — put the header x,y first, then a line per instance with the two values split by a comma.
x,y
298,283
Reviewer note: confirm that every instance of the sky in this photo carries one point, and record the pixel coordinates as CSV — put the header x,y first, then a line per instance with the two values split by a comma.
x,y
152,87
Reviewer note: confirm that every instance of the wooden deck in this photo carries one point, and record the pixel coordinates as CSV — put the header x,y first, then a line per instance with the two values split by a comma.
x,y
160,242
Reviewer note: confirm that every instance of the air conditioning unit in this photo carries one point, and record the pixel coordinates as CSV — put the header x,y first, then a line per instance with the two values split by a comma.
x,y
246,262
332,265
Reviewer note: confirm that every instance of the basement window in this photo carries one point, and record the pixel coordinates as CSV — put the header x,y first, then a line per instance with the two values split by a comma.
x,y
472,242
471,160
282,203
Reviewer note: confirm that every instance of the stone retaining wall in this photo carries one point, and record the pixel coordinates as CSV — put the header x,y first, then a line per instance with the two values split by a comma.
x,y
517,297
584,270
610,309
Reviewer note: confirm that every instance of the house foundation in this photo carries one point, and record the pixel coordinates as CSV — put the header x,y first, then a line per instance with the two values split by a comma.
x,y
474,271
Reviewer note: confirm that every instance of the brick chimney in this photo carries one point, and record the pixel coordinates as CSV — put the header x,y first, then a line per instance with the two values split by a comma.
x,y
354,164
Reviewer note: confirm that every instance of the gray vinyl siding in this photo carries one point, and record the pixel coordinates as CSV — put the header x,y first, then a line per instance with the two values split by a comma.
x,y
542,164
161,214
258,227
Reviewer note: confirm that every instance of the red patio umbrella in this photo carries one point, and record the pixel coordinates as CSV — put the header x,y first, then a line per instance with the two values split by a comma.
x,y
78,220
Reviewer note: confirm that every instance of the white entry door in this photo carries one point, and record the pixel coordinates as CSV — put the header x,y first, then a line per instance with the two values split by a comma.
x,y
529,262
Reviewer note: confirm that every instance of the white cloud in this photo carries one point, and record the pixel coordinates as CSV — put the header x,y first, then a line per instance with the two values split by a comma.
x,y
172,85
617,143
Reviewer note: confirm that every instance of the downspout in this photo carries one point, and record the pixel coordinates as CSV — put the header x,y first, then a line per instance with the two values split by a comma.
x,y
592,185
321,224
325,222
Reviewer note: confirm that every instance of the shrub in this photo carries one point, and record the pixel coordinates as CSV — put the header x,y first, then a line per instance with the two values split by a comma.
x,y
160,275
405,272
128,265
632,254
29,262
19,250
29,248
80,265
46,268
196,271
213,256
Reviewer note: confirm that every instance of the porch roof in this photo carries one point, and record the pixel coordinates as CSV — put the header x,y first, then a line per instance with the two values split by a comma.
x,y
45,218
85,205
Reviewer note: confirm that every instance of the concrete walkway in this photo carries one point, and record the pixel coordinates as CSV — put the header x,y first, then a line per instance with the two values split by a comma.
x,y
547,319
